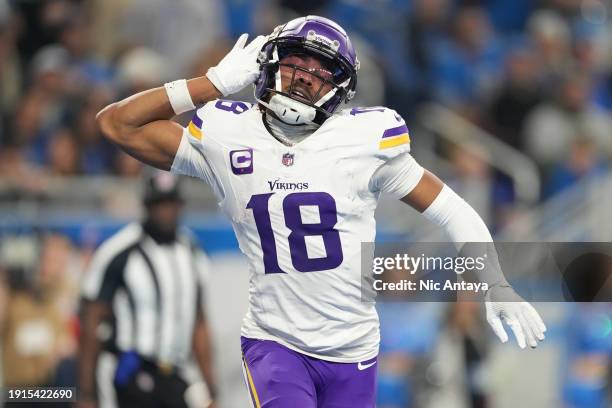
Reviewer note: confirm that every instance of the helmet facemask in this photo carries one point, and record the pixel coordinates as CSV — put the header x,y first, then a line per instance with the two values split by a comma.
x,y
298,94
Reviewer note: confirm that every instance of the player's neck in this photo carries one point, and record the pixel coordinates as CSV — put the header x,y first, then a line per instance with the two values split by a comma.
x,y
285,133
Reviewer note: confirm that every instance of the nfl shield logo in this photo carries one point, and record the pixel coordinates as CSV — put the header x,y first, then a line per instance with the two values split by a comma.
x,y
288,159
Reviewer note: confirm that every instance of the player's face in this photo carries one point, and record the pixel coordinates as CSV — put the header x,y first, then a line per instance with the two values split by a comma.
x,y
307,83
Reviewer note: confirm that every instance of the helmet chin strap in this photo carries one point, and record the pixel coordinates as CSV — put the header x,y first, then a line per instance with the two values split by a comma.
x,y
329,94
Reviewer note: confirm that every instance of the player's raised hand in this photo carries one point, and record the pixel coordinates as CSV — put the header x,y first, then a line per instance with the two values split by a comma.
x,y
503,303
239,67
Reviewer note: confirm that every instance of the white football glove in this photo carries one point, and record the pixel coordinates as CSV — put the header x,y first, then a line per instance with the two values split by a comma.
x,y
239,67
502,302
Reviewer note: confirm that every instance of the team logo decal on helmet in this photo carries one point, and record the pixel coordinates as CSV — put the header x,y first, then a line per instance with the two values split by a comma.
x,y
313,36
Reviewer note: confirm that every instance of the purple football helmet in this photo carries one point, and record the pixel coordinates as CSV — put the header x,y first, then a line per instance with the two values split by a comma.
x,y
313,36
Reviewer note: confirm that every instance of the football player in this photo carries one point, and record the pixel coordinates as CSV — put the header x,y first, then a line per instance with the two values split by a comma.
x,y
300,180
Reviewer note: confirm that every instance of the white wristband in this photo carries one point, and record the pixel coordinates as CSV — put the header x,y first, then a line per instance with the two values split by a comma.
x,y
179,96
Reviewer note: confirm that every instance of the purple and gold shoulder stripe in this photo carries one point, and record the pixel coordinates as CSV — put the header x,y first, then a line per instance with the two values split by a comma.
x,y
394,137
195,127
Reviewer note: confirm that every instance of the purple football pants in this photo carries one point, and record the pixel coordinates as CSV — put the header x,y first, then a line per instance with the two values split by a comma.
x,y
278,377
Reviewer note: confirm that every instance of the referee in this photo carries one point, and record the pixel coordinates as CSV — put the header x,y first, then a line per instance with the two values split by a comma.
x,y
144,285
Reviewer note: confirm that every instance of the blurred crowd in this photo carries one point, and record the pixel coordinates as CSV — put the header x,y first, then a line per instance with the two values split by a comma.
x,y
536,74
39,298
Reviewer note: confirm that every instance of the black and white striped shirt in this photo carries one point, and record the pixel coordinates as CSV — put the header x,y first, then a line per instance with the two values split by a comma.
x,y
155,290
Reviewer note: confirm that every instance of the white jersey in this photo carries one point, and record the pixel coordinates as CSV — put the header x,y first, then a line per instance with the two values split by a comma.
x,y
300,214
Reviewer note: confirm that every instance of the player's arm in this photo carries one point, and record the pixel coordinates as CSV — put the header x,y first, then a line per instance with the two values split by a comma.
x,y
141,124
440,204
405,179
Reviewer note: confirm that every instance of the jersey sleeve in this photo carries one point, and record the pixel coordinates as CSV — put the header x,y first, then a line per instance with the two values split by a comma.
x,y
190,158
397,172
393,136
397,176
